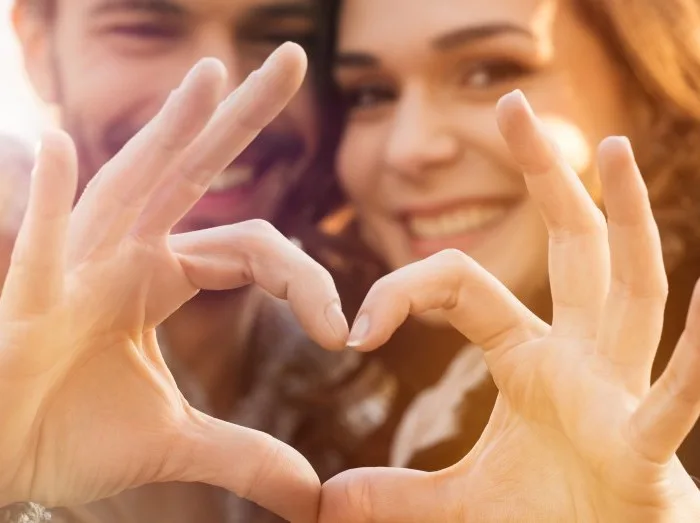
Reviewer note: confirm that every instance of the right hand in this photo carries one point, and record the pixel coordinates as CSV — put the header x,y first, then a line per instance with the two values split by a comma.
x,y
578,432
87,404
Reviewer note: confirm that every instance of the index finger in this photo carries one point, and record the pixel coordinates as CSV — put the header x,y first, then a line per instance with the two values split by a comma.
x,y
236,123
470,298
255,252
116,196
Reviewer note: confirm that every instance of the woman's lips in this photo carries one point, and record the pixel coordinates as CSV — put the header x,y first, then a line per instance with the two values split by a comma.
x,y
462,226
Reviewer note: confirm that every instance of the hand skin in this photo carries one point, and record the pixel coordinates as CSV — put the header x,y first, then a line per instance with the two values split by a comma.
x,y
578,434
88,405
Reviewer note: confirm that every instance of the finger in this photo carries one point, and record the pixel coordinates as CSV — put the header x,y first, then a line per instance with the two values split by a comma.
x,y
634,312
235,125
251,464
255,252
386,496
472,300
35,278
671,409
579,264
118,194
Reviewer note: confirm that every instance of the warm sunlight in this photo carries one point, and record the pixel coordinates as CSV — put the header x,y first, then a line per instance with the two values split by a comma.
x,y
20,112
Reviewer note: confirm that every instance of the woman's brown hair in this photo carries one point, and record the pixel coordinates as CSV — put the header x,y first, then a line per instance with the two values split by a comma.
x,y
659,42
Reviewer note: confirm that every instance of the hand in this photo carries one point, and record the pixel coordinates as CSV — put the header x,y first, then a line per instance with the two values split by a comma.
x,y
87,404
577,434
15,168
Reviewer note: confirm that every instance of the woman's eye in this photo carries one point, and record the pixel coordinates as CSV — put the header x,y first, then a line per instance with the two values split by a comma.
x,y
490,73
367,97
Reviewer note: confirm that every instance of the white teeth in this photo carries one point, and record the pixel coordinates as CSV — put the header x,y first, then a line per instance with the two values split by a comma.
x,y
453,223
231,178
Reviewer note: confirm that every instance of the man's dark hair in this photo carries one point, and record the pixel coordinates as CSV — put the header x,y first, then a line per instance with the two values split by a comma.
x,y
318,194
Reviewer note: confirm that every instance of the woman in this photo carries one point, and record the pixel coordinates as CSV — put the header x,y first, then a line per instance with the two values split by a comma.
x,y
424,168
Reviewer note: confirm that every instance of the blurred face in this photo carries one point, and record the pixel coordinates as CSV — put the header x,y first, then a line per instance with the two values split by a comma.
x,y
422,158
113,63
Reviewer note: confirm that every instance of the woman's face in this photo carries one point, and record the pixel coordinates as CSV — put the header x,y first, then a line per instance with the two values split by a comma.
x,y
422,158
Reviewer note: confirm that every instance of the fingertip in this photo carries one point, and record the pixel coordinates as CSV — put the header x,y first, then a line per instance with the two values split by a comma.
x,y
295,54
206,66
56,153
360,332
210,65
208,76
54,140
511,109
289,61
616,143
615,152
513,100
625,193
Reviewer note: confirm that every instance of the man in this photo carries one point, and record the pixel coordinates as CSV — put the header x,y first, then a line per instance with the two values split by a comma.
x,y
109,65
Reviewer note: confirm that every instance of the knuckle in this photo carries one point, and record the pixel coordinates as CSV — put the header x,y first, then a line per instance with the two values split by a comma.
x,y
453,256
388,285
269,456
263,229
454,260
359,495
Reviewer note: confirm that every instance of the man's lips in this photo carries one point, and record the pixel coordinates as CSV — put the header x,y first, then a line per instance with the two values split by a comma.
x,y
237,196
270,148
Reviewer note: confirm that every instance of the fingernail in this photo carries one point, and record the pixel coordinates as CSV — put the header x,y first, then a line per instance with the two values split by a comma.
x,y
336,320
359,332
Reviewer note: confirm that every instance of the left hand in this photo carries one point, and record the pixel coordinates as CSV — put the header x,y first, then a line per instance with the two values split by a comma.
x,y
87,404
578,434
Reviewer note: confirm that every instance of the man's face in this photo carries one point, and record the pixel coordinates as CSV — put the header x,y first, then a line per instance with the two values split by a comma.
x,y
114,62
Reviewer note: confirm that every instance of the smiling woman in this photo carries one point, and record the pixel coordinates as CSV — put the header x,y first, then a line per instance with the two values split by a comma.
x,y
412,87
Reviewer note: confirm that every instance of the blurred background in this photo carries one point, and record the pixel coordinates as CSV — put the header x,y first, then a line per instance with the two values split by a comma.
x,y
20,112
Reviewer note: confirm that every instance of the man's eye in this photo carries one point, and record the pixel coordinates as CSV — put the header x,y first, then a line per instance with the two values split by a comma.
x,y
146,31
275,39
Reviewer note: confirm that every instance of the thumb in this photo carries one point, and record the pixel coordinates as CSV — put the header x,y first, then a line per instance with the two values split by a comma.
x,y
385,495
249,463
